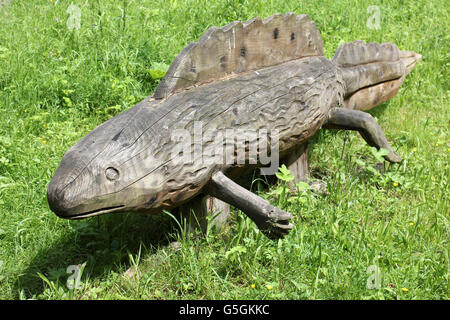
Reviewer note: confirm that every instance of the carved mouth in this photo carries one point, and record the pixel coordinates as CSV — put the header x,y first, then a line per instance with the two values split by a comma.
x,y
95,212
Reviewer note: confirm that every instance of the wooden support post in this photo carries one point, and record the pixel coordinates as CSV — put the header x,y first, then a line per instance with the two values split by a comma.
x,y
219,210
297,163
192,215
195,213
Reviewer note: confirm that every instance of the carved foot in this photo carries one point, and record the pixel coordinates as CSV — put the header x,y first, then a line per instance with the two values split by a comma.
x,y
276,225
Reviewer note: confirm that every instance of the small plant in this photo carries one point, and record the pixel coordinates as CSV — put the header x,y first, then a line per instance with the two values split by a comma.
x,y
285,176
378,154
234,253
386,177
158,70
302,192
283,191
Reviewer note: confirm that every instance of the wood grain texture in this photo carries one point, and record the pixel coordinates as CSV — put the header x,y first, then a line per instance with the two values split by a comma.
x,y
219,211
197,212
367,70
193,217
293,98
363,76
242,46
298,164
373,73
370,97
356,53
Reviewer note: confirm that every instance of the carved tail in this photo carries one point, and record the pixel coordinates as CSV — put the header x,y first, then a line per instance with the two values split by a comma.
x,y
373,73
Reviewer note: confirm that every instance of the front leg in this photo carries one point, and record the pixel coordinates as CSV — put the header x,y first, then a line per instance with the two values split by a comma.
x,y
273,222
365,124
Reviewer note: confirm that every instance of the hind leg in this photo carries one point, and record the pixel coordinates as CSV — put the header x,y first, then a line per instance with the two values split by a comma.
x,y
366,125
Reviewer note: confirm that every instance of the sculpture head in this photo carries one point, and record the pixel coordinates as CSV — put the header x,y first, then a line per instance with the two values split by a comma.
x,y
74,191
94,176
372,72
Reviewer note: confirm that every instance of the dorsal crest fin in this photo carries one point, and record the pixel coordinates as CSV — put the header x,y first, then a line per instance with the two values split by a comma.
x,y
242,46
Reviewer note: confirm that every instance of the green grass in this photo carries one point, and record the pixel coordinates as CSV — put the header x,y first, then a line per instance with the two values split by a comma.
x,y
56,85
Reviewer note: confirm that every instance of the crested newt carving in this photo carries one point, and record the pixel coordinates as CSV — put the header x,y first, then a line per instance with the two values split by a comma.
x,y
254,75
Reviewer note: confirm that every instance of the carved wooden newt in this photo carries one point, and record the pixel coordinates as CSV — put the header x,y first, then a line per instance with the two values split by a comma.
x,y
257,75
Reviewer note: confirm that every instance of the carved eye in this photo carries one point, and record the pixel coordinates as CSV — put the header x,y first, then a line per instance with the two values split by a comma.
x,y
112,174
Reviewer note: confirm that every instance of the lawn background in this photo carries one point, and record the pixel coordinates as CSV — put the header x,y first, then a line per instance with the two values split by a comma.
x,y
58,84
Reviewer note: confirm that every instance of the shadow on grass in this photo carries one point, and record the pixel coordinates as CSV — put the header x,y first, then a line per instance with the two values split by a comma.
x,y
104,242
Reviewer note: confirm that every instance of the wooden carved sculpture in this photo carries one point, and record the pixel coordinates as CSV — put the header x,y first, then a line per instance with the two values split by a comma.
x,y
253,76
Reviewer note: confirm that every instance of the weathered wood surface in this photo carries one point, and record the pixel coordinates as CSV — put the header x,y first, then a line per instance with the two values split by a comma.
x,y
366,125
219,211
372,96
367,85
293,98
358,52
275,78
193,216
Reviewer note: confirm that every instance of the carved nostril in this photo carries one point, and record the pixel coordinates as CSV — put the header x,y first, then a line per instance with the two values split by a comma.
x,y
112,174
